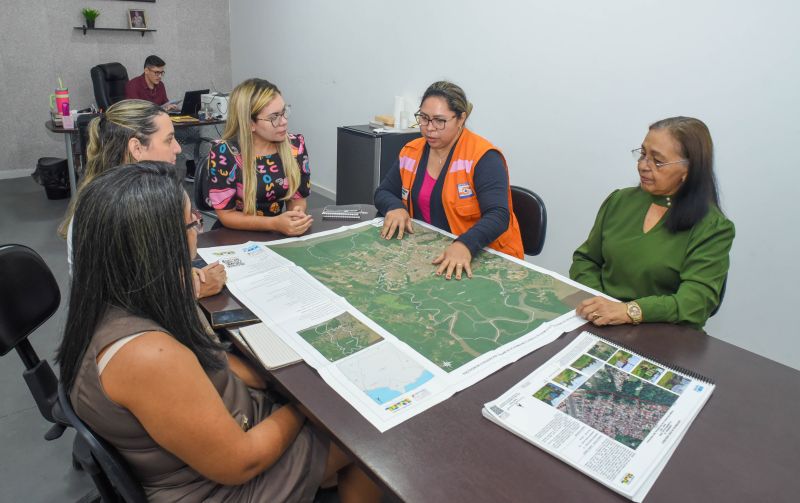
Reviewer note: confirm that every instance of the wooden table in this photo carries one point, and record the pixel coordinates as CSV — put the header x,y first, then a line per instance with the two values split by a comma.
x,y
743,446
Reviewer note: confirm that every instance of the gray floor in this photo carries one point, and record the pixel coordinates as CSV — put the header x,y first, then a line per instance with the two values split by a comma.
x,y
32,469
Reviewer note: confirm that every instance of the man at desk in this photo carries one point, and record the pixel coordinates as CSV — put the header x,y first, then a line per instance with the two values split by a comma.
x,y
149,87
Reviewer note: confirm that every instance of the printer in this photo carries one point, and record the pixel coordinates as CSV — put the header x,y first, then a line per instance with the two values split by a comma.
x,y
216,104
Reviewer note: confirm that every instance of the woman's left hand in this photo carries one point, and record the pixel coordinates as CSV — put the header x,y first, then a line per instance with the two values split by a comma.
x,y
602,311
455,257
212,278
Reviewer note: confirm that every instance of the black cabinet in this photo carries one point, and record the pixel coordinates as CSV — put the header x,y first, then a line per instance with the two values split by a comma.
x,y
363,157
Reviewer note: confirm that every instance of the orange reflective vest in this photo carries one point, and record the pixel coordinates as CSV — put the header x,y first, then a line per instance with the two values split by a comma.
x,y
458,192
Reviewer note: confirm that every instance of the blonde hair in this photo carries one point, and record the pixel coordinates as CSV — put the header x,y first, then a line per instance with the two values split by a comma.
x,y
109,135
246,101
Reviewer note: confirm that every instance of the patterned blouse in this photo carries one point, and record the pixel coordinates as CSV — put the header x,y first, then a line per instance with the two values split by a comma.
x,y
226,183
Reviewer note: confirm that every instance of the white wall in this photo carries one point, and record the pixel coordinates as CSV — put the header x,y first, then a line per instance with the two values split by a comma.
x,y
566,89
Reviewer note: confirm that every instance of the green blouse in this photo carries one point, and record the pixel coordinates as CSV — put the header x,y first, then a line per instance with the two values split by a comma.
x,y
675,278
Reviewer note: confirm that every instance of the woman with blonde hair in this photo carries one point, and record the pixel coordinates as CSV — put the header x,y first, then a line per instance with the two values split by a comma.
x,y
132,131
258,167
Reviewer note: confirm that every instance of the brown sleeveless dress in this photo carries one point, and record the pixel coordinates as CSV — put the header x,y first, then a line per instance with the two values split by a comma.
x,y
295,477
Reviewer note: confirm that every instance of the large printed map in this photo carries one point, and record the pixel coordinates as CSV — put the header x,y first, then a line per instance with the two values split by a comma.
x,y
449,322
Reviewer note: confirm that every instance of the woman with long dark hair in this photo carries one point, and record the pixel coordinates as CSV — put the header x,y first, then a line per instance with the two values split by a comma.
x,y
660,247
139,368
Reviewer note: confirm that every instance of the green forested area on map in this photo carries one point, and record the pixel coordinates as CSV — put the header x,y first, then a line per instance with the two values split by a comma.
x,y
449,322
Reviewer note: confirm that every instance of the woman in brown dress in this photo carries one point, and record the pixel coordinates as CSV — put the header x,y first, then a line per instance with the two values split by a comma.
x,y
191,419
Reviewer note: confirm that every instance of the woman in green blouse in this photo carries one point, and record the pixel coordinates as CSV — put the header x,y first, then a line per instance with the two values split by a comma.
x,y
662,247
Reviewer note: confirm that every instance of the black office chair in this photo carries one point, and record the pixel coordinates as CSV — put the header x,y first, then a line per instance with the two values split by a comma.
x,y
109,81
29,296
532,217
111,474
82,125
201,189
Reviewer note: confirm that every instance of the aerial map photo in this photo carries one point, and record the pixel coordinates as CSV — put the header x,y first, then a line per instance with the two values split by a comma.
x,y
624,407
449,322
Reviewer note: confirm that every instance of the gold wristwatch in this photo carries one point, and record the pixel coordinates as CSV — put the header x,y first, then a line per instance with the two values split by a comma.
x,y
634,311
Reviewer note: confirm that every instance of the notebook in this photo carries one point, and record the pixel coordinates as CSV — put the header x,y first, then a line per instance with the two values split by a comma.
x,y
608,411
265,345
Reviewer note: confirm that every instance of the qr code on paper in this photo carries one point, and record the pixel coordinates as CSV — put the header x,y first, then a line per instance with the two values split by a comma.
x,y
231,261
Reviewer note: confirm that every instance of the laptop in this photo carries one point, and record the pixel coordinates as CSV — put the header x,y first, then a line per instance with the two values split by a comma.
x,y
191,103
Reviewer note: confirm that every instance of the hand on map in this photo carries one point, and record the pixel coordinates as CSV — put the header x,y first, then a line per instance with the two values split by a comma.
x,y
602,311
292,222
212,278
455,258
396,220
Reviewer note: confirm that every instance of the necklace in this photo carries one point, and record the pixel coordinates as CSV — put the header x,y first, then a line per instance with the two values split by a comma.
x,y
439,157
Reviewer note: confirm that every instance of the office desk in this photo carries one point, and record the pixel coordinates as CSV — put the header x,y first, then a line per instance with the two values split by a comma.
x,y
743,446
71,135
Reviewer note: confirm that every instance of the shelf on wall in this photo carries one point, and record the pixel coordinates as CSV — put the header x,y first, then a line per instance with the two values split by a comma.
x,y
86,28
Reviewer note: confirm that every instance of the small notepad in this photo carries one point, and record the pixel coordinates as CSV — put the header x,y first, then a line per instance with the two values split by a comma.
x,y
267,346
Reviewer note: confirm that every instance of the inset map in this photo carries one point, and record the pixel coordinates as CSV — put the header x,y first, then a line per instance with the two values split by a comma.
x,y
586,364
448,322
340,336
384,373
674,382
618,404
550,394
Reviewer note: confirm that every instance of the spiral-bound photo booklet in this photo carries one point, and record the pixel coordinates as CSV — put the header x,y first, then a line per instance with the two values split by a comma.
x,y
613,414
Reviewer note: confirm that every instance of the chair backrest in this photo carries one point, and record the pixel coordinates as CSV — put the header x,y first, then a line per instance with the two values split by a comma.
x,y
532,217
109,81
721,296
82,125
29,294
201,186
111,474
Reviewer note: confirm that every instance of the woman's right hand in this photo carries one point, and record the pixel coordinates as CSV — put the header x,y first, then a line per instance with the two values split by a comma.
x,y
292,222
396,220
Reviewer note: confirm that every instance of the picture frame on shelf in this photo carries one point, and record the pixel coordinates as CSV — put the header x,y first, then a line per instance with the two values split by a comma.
x,y
137,19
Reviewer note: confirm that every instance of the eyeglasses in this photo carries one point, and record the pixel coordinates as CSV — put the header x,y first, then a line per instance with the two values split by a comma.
x,y
639,155
275,119
438,123
158,73
196,223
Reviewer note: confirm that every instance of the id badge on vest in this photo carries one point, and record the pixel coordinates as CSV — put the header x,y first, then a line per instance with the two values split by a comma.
x,y
464,191
404,194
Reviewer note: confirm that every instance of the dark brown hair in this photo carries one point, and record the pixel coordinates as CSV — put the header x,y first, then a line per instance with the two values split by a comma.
x,y
452,94
699,190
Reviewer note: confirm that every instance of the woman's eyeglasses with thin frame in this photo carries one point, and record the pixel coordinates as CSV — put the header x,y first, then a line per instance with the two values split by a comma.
x,y
438,123
639,155
197,222
275,119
